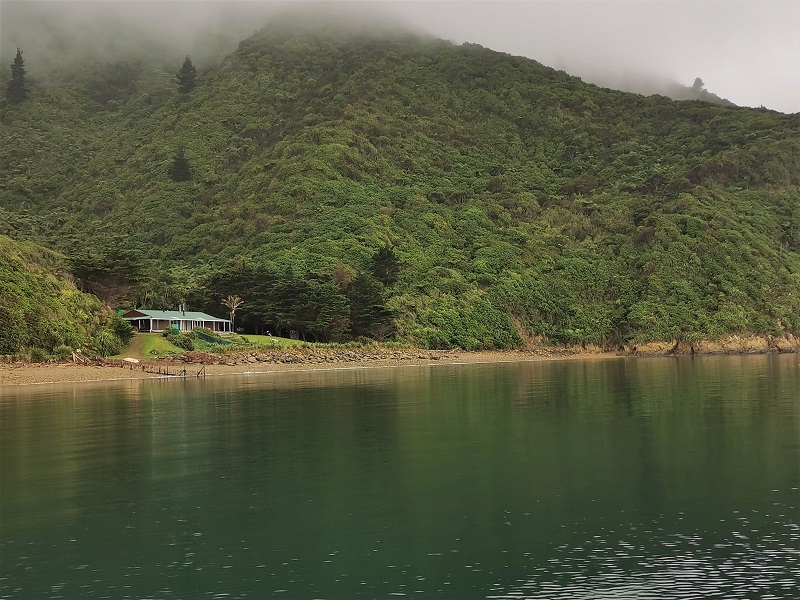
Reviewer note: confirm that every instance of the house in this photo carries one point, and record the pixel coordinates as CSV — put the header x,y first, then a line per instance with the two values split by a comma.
x,y
159,320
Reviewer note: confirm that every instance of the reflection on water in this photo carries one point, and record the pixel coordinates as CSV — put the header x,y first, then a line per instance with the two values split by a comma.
x,y
577,479
652,561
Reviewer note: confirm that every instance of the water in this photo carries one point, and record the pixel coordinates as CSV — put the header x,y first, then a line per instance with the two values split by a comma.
x,y
625,478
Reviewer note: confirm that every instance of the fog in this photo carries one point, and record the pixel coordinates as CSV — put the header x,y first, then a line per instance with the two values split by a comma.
x,y
747,51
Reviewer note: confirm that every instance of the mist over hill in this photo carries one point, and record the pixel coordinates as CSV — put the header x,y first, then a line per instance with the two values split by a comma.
x,y
649,85
351,181
55,33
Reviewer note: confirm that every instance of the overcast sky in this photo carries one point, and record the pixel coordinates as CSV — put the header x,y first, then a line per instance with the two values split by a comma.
x,y
747,51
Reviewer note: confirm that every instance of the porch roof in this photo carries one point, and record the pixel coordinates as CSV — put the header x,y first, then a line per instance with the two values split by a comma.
x,y
170,315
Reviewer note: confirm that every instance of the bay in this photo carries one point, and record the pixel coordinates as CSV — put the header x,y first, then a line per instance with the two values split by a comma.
x,y
629,478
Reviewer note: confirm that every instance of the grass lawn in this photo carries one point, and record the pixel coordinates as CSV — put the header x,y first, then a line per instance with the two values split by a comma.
x,y
143,345
272,341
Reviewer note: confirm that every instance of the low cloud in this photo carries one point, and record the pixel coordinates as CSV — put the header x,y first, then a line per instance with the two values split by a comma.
x,y
746,51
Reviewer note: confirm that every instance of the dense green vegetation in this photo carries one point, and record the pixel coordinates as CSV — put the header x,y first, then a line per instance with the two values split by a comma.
x,y
42,313
380,185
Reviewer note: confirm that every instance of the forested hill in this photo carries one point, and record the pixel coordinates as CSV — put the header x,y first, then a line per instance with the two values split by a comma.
x,y
346,184
43,313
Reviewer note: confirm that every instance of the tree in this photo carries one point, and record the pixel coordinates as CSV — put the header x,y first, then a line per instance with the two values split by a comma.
x,y
232,302
186,76
369,316
16,87
385,265
114,81
311,304
180,170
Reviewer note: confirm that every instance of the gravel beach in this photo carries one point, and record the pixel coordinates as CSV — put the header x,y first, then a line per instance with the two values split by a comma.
x,y
266,361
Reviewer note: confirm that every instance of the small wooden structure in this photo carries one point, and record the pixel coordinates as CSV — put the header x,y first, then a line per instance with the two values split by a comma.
x,y
159,320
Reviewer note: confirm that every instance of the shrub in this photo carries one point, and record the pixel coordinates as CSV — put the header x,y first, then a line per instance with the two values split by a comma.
x,y
106,343
38,355
184,340
122,329
62,352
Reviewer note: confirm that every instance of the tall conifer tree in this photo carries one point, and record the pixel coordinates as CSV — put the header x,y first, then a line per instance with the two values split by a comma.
x,y
17,92
186,77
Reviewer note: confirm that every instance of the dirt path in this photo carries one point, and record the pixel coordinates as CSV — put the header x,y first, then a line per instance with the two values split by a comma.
x,y
136,349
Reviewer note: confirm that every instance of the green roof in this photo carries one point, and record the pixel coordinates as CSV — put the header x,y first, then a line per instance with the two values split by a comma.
x,y
175,315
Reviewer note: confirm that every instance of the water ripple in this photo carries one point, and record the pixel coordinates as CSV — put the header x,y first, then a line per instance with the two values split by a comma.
x,y
742,565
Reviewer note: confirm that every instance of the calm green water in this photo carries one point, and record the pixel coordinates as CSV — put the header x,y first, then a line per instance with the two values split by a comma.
x,y
616,479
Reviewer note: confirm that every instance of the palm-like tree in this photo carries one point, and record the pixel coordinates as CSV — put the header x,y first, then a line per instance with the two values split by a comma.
x,y
232,303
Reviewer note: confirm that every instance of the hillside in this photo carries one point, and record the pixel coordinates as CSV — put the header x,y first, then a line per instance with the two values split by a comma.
x,y
42,312
346,183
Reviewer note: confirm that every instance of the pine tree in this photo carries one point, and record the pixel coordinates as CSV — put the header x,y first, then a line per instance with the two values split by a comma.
x,y
186,77
180,170
16,87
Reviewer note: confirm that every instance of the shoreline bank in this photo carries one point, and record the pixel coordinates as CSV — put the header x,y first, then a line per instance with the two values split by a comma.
x,y
264,361
193,364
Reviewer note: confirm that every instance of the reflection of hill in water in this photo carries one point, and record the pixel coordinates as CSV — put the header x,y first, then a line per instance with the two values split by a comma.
x,y
556,480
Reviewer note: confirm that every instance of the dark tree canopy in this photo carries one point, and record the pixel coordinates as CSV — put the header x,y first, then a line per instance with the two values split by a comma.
x,y
180,170
369,316
114,81
186,77
385,265
17,92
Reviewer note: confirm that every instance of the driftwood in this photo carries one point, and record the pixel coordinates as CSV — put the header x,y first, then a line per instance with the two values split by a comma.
x,y
80,359
144,367
135,365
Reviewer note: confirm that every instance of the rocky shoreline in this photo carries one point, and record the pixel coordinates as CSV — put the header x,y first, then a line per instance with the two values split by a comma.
x,y
192,364
732,344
